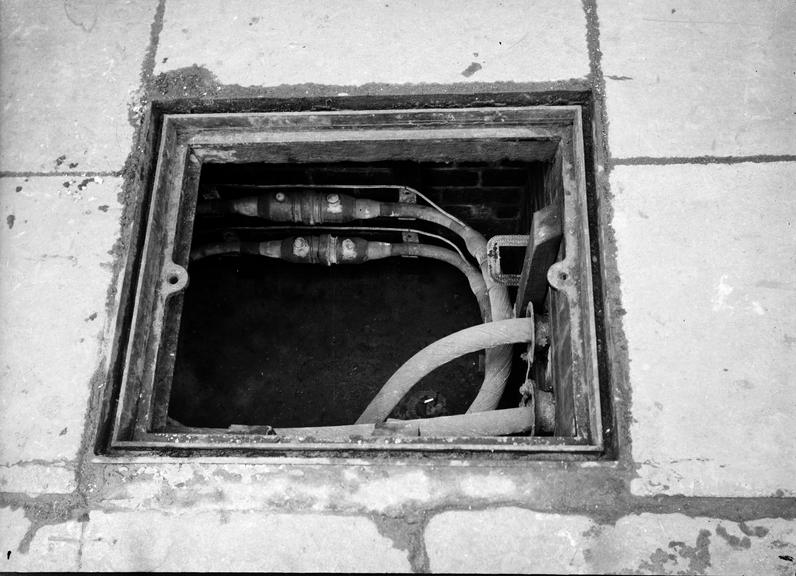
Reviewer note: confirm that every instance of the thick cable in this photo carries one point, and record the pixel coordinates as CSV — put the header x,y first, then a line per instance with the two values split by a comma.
x,y
350,187
488,335
315,209
498,360
353,229
474,278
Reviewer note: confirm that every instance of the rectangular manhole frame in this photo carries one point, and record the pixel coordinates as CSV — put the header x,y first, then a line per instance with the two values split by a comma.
x,y
188,140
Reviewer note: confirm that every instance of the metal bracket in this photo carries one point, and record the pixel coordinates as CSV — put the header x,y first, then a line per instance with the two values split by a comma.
x,y
407,196
545,238
541,251
493,247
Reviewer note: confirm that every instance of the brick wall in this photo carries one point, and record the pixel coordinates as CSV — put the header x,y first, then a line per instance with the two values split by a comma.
x,y
492,197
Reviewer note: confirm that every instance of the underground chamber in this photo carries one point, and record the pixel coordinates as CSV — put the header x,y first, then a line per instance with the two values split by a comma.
x,y
344,300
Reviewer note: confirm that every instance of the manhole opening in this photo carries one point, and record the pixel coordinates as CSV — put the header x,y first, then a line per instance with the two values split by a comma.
x,y
378,280
264,340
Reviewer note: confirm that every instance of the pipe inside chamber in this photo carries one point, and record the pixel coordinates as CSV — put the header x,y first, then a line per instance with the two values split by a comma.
x,y
312,207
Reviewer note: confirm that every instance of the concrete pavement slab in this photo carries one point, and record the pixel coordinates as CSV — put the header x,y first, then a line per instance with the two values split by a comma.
x,y
699,78
69,73
191,540
679,544
515,540
347,42
55,271
50,548
34,478
707,261
506,541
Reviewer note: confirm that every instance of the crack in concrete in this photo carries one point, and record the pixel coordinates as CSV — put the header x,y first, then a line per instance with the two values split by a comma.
x,y
81,542
670,160
67,173
69,463
613,371
596,72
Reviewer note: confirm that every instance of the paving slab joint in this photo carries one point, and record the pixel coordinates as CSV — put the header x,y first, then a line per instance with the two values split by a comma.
x,y
703,160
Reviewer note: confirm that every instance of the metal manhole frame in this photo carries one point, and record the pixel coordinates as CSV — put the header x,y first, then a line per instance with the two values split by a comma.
x,y
554,133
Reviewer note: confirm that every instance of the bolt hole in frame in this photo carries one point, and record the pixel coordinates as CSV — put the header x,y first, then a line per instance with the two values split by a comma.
x,y
550,134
